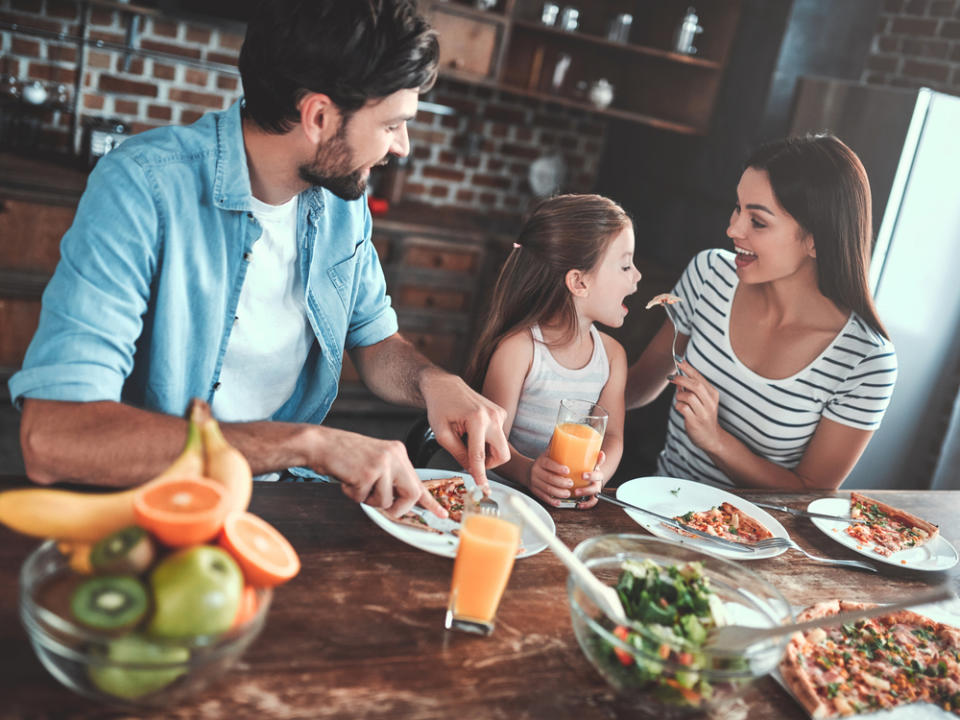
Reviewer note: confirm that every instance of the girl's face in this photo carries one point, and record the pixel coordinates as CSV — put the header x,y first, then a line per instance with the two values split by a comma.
x,y
770,244
609,282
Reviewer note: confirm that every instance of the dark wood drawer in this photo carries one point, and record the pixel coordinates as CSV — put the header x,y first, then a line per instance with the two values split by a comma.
x,y
434,255
31,234
415,296
18,318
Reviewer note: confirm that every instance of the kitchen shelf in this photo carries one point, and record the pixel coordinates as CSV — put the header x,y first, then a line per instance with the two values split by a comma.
x,y
618,46
509,49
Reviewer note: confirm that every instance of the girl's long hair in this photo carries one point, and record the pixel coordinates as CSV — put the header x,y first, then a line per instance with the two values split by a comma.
x,y
822,184
561,233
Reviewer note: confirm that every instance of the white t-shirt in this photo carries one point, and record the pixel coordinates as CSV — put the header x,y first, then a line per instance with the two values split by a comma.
x,y
271,335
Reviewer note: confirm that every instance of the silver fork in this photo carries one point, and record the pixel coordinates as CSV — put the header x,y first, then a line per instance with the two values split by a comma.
x,y
673,347
780,542
485,505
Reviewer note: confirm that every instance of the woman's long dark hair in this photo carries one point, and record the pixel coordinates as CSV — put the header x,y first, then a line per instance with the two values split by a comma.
x,y
822,184
562,233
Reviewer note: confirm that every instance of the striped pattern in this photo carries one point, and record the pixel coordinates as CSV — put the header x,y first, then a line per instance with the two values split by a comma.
x,y
549,382
850,382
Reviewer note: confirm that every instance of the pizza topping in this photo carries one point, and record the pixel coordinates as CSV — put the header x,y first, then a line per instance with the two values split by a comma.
x,y
662,299
878,663
887,529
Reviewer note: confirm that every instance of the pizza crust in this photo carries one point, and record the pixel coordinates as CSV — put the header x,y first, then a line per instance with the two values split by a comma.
x,y
897,514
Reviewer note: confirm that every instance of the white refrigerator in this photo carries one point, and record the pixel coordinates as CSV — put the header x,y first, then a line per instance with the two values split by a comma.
x,y
909,142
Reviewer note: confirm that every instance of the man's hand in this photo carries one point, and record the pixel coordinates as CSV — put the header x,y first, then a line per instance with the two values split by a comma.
x,y
455,412
374,472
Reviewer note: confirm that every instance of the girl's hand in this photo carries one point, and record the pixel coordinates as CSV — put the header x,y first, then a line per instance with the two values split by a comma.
x,y
697,400
596,479
549,480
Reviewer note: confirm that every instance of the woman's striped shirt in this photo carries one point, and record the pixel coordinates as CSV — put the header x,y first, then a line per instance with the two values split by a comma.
x,y
850,382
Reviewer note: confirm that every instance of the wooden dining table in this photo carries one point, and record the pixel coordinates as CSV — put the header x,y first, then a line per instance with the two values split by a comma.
x,y
359,632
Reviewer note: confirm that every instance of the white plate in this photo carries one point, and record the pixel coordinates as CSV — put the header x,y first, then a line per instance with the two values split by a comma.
x,y
673,496
936,555
943,612
446,546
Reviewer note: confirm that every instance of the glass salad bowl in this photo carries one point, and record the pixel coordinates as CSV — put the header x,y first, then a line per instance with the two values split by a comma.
x,y
662,663
127,669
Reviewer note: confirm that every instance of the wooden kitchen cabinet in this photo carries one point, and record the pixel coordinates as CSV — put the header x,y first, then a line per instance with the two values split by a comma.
x,y
31,227
510,47
437,279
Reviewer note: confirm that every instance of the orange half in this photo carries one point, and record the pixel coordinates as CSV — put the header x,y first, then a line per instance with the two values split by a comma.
x,y
182,511
265,556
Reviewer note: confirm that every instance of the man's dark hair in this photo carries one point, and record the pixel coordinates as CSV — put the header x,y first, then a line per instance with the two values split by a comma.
x,y
350,50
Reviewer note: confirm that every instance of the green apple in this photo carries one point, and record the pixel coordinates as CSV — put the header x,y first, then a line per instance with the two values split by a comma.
x,y
196,591
131,684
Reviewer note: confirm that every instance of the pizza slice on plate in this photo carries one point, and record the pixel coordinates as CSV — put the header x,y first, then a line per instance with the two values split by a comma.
x,y
727,522
450,492
872,664
889,529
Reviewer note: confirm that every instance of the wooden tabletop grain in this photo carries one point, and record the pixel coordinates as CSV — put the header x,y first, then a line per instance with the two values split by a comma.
x,y
359,633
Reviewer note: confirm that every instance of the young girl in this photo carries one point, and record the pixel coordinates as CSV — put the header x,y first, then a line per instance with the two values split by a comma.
x,y
788,370
572,267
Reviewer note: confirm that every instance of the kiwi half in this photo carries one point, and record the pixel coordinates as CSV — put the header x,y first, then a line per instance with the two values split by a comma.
x,y
110,602
129,550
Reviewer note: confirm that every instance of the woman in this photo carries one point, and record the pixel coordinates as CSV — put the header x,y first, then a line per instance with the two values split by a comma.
x,y
787,369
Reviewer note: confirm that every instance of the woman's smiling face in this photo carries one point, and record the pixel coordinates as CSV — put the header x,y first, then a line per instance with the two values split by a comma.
x,y
770,244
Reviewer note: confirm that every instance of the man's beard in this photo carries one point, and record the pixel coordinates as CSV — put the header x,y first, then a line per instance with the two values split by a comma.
x,y
331,169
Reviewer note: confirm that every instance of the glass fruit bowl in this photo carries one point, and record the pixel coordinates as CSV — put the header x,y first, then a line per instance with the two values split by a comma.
x,y
129,669
660,664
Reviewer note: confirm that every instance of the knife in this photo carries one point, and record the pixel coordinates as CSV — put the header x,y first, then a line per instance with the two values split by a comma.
x,y
444,525
807,513
727,544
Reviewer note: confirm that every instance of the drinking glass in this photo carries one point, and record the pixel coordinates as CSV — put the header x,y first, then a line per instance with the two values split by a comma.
x,y
576,441
488,547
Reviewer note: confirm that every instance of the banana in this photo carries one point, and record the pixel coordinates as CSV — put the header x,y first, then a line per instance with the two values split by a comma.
x,y
87,517
227,465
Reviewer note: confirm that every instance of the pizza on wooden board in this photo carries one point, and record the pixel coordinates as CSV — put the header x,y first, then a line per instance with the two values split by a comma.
x,y
872,664
889,529
727,522
450,492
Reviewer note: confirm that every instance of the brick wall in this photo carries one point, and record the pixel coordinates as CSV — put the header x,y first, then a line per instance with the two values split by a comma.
x,y
917,43
142,91
477,159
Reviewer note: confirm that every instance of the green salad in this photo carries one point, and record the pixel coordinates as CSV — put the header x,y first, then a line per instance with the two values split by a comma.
x,y
674,609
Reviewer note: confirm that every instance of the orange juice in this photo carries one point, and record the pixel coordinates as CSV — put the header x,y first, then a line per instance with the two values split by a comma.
x,y
488,546
576,446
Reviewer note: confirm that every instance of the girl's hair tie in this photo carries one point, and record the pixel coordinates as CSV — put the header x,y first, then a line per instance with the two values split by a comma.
x,y
517,246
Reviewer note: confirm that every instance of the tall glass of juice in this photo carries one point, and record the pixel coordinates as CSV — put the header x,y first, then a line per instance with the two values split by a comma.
x,y
576,441
488,547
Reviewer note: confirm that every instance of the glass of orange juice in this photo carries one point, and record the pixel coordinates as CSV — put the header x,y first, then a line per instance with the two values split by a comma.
x,y
576,441
488,547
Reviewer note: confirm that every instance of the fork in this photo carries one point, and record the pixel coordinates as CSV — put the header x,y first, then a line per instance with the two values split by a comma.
x,y
736,638
781,542
673,346
485,505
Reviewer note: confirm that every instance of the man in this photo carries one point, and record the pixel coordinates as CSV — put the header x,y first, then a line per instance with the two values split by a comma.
x,y
231,260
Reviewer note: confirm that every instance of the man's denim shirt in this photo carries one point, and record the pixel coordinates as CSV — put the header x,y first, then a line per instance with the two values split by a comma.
x,y
141,305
